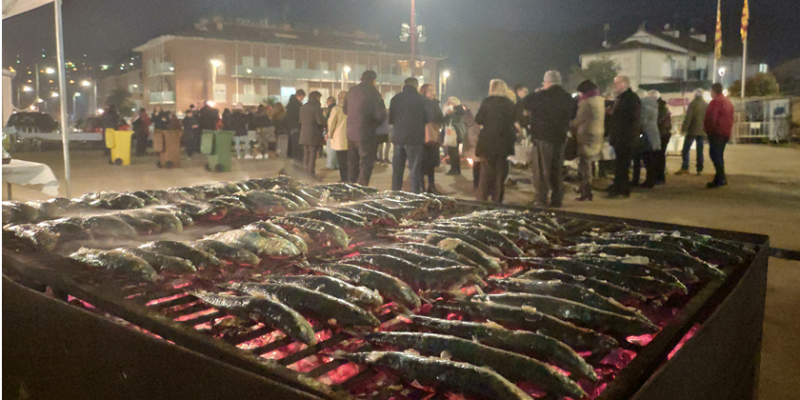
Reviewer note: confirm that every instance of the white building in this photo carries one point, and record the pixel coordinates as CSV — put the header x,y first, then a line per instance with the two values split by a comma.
x,y
671,60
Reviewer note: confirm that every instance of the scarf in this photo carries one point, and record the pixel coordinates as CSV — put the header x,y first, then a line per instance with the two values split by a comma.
x,y
589,95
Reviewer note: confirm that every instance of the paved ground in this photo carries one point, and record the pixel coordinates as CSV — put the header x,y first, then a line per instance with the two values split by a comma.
x,y
763,196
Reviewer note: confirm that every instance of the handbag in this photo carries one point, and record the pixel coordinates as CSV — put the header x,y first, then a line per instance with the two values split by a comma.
x,y
432,133
450,136
571,149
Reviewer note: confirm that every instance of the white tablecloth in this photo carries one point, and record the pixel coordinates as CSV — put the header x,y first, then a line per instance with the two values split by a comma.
x,y
73,136
31,173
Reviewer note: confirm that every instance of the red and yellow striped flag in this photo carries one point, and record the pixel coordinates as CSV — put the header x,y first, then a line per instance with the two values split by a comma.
x,y
745,20
718,35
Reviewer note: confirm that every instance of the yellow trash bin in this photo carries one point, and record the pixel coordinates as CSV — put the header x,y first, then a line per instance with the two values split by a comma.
x,y
120,144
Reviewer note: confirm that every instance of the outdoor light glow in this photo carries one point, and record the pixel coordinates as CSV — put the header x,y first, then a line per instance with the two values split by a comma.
x,y
346,69
27,89
249,71
135,86
54,95
71,82
32,107
100,111
50,71
77,94
86,83
211,103
722,71
39,100
725,92
216,63
446,74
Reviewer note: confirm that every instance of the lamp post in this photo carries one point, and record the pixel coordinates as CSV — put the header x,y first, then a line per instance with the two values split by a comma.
x,y
93,104
25,89
49,71
75,105
413,61
215,63
345,72
443,83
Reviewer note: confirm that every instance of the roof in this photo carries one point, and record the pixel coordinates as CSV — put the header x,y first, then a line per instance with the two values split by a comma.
x,y
676,87
285,35
632,46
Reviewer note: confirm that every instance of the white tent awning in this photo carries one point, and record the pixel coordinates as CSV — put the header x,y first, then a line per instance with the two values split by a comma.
x,y
14,7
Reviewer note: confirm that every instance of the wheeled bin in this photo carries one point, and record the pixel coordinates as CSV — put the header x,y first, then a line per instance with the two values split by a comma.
x,y
120,144
168,146
217,145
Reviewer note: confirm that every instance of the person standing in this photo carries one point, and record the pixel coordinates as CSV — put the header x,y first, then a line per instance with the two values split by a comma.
x,y
430,152
454,126
141,128
238,124
191,134
408,115
649,143
550,111
693,132
365,112
292,124
472,131
665,131
312,125
718,124
265,129
226,120
625,130
589,129
337,136
497,115
330,159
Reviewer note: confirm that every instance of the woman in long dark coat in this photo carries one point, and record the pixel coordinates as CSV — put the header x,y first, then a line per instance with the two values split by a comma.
x,y
312,126
430,153
497,115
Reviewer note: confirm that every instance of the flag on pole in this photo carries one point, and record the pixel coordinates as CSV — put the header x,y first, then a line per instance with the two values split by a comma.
x,y
718,35
745,19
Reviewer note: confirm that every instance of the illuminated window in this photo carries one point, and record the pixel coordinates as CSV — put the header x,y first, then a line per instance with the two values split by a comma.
x,y
762,68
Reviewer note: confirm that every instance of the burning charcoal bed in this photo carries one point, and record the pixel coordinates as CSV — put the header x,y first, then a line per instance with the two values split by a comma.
x,y
342,291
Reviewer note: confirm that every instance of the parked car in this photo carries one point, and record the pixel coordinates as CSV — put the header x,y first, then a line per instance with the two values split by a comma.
x,y
89,125
33,122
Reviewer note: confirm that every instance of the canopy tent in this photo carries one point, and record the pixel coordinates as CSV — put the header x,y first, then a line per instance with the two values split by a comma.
x,y
14,7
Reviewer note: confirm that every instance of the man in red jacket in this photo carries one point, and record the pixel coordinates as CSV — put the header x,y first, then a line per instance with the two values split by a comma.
x,y
718,125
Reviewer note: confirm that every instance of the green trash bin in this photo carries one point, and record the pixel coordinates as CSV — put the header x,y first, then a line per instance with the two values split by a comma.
x,y
218,146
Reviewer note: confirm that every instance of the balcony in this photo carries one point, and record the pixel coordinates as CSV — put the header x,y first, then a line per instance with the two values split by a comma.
x,y
164,68
162,97
251,72
250,99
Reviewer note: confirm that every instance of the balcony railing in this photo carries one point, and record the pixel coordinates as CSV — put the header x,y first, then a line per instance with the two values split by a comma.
x,y
162,97
242,71
164,68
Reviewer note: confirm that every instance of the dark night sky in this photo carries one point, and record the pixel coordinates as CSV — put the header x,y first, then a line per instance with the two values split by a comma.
x,y
516,40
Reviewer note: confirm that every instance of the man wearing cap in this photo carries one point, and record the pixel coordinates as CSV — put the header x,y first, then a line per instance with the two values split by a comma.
x,y
365,112
694,131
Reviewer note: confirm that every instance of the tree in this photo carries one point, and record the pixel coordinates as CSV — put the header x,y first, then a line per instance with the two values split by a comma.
x,y
121,100
601,71
762,84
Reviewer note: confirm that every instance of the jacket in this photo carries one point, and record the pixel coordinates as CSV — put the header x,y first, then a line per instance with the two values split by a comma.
x,y
161,121
189,125
365,112
337,129
238,123
693,120
498,135
719,118
456,120
472,132
664,121
625,120
208,118
408,115
649,118
312,124
292,119
550,110
589,126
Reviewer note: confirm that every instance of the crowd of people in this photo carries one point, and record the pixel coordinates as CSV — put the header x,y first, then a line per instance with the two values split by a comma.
x,y
629,131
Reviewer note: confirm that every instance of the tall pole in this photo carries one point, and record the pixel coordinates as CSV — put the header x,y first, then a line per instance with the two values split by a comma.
x,y
62,87
94,96
413,38
744,66
36,98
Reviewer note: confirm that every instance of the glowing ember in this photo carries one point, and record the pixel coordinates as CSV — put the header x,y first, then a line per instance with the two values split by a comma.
x,y
261,340
341,374
195,315
180,285
684,339
284,351
165,299
643,340
619,358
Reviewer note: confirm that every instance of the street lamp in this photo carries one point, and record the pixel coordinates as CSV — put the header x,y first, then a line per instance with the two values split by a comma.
x,y
93,84
75,104
215,63
443,83
345,71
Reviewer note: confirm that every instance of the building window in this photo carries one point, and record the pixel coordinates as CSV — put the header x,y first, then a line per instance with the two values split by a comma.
x,y
220,93
247,61
762,68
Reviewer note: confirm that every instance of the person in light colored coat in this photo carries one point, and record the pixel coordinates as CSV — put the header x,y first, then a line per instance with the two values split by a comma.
x,y
337,131
589,129
649,144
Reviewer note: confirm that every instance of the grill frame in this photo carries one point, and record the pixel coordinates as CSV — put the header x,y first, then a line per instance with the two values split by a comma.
x,y
642,375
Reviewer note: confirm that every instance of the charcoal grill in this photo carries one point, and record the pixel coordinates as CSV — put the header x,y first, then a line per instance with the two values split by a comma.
x,y
719,362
